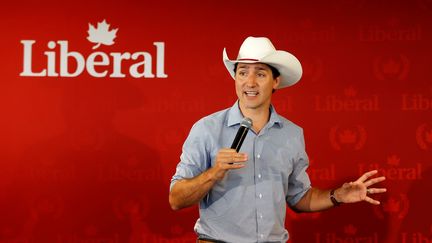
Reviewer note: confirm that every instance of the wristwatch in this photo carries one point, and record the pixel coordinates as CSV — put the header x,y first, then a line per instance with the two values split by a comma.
x,y
333,198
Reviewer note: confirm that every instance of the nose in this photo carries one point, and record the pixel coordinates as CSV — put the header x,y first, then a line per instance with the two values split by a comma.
x,y
251,81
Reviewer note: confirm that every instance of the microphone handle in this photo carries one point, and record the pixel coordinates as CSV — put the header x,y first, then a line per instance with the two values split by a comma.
x,y
239,138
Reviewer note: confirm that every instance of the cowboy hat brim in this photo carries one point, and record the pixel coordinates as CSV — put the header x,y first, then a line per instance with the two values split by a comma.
x,y
287,64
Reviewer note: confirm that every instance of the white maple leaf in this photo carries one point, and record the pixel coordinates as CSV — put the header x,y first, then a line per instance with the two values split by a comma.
x,y
101,34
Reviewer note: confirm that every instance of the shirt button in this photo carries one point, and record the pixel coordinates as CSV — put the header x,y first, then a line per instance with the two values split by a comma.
x,y
260,195
262,236
260,216
259,176
258,156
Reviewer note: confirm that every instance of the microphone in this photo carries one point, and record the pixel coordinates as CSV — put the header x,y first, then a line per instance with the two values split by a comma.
x,y
245,125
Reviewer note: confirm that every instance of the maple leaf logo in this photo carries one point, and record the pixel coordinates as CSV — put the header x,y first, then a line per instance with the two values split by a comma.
x,y
101,34
350,229
393,160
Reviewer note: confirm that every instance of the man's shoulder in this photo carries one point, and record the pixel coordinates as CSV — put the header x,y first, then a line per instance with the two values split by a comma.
x,y
290,125
215,119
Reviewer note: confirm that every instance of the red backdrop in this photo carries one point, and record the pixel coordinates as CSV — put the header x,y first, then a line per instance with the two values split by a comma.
x,y
89,159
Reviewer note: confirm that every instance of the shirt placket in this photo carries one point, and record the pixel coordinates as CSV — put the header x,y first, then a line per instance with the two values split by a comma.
x,y
260,191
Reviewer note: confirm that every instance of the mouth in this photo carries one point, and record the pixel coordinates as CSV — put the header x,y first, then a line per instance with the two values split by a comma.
x,y
251,93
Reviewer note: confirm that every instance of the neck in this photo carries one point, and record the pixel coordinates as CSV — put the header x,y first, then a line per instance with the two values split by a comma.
x,y
260,116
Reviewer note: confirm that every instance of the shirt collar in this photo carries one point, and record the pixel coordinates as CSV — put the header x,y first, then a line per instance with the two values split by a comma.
x,y
235,116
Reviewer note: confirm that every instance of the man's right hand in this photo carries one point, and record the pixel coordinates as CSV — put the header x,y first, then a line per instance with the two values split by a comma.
x,y
187,192
228,159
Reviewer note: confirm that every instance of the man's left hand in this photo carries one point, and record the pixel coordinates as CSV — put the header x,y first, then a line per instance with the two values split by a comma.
x,y
361,189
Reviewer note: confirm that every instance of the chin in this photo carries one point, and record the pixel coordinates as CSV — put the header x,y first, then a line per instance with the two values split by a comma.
x,y
252,106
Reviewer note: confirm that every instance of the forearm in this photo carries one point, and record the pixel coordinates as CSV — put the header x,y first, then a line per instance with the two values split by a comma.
x,y
314,200
188,192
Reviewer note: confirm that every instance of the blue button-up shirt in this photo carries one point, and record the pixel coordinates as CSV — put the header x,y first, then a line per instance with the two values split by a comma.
x,y
249,204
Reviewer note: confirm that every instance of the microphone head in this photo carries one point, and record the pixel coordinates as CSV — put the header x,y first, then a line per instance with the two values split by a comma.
x,y
246,122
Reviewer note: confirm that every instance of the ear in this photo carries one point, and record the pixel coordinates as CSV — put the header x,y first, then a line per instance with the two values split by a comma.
x,y
276,82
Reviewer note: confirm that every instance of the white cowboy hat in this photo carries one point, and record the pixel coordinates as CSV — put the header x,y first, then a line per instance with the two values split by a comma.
x,y
261,50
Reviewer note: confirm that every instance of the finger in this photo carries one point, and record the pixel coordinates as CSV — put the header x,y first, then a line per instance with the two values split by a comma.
x,y
237,160
231,161
366,175
226,153
376,190
233,166
227,150
374,181
372,201
230,157
237,157
241,156
234,161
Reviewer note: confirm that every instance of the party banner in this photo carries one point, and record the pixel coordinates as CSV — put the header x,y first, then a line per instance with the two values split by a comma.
x,y
98,97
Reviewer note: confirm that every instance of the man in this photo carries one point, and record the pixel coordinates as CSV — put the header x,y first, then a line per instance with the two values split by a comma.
x,y
242,195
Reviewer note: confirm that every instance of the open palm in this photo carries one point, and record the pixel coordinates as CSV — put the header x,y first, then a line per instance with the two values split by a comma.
x,y
360,190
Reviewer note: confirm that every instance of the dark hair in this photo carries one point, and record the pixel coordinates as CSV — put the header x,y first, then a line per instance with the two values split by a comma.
x,y
274,71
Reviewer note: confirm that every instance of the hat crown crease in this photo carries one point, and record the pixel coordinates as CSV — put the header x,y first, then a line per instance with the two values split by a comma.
x,y
255,48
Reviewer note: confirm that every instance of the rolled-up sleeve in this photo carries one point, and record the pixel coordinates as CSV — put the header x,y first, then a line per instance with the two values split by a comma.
x,y
194,158
299,182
